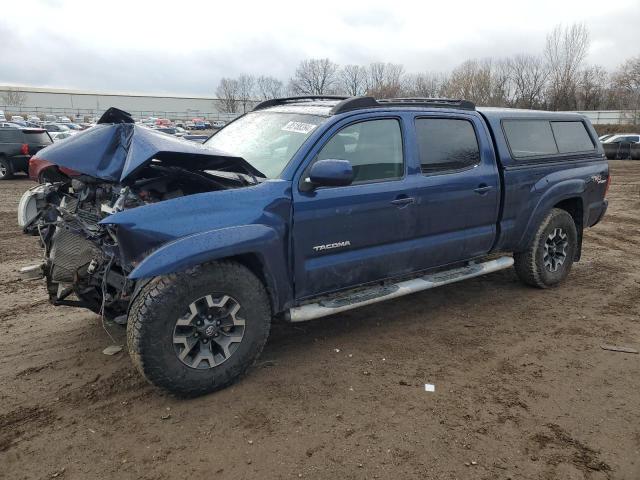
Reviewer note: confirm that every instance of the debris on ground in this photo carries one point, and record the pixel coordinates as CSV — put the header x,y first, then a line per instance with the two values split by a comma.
x,y
112,349
616,348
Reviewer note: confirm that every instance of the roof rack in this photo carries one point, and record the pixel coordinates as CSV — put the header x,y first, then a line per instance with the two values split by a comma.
x,y
355,103
282,101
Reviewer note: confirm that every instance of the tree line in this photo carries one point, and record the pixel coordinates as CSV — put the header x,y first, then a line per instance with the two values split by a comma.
x,y
558,78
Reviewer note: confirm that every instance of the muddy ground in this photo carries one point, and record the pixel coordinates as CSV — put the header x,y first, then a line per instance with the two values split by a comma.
x,y
523,389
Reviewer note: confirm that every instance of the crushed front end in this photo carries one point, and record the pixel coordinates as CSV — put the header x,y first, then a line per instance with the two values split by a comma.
x,y
118,167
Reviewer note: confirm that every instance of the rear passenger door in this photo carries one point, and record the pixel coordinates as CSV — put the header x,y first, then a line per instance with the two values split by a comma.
x,y
457,189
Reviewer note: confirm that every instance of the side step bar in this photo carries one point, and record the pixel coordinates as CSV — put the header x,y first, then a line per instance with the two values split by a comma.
x,y
377,294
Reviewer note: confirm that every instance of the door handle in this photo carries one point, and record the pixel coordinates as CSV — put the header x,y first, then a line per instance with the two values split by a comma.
x,y
482,188
402,201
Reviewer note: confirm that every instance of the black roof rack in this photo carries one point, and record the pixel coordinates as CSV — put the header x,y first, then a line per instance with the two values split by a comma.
x,y
355,103
303,98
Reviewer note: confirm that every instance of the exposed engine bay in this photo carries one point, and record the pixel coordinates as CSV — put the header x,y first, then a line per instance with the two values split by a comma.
x,y
82,257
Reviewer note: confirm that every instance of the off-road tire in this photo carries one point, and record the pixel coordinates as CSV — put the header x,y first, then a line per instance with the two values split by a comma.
x,y
530,265
153,315
5,165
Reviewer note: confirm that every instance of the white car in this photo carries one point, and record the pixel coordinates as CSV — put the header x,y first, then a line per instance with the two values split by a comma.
x,y
2,117
64,119
17,118
623,138
218,124
57,136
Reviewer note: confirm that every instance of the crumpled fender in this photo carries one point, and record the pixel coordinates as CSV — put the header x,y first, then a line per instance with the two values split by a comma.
x,y
183,253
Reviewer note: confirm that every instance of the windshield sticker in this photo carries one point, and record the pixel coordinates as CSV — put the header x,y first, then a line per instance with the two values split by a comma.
x,y
298,127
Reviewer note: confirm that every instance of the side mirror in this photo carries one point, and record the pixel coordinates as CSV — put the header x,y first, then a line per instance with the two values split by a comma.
x,y
330,173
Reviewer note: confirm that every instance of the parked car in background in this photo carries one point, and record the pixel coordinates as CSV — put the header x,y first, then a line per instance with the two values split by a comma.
x,y
623,146
189,125
17,118
64,119
55,127
2,117
10,125
34,119
56,136
50,118
17,145
218,124
74,126
604,137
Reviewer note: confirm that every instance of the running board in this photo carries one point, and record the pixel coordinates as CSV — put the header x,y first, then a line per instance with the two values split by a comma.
x,y
377,294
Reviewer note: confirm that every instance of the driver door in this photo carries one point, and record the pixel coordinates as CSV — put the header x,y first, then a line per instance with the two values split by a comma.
x,y
351,235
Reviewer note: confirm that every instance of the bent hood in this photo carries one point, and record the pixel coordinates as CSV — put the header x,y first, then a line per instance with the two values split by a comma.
x,y
116,148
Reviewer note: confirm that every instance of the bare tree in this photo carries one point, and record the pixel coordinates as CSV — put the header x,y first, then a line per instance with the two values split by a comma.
x,y
565,51
353,80
593,88
14,97
471,81
427,85
246,85
269,87
315,77
528,75
385,79
626,82
228,93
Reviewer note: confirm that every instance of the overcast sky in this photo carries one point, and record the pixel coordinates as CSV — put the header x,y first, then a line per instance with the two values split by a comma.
x,y
185,48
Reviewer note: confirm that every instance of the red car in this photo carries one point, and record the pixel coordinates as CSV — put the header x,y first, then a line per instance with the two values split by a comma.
x,y
43,171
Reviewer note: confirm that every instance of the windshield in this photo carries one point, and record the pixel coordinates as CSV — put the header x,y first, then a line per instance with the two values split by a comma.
x,y
267,140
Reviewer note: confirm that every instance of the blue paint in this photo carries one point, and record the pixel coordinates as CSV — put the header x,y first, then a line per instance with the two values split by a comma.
x,y
393,228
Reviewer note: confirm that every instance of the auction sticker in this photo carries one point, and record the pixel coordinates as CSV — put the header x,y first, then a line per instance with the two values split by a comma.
x,y
298,127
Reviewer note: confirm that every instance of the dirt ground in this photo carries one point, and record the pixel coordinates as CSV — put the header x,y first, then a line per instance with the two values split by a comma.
x,y
523,389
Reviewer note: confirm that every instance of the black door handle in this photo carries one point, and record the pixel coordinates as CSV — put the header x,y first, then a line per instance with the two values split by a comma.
x,y
402,201
482,188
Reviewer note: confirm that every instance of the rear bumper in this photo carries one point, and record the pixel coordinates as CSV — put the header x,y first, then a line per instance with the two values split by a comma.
x,y
596,212
20,163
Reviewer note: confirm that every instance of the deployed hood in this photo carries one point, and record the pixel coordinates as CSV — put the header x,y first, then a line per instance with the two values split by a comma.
x,y
116,148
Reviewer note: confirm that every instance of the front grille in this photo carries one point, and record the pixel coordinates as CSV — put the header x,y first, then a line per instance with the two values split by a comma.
x,y
69,252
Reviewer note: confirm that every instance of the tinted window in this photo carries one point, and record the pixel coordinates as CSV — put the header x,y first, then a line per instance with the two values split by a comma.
x,y
446,144
374,149
37,138
11,135
571,137
528,138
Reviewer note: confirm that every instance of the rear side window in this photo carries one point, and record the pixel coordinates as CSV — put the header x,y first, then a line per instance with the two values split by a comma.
x,y
11,135
37,138
529,138
572,137
373,147
446,144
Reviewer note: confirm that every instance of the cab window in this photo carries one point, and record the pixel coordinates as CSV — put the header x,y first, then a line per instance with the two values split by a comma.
x,y
373,147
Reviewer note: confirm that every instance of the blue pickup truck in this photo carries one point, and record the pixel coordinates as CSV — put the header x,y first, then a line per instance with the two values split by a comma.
x,y
303,208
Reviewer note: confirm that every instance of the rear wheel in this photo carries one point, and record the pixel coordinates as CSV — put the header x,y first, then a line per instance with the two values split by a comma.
x,y
198,331
548,260
6,169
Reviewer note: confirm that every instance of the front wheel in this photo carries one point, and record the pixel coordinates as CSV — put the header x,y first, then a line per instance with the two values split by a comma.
x,y
198,331
548,260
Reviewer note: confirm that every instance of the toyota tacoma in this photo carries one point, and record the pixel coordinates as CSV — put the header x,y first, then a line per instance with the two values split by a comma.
x,y
302,208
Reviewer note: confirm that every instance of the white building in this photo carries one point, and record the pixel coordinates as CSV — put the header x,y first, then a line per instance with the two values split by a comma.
x,y
40,101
